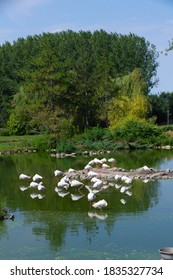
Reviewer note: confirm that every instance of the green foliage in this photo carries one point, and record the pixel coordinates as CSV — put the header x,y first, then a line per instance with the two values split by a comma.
x,y
135,130
24,142
48,78
65,129
94,134
4,132
131,100
162,107
65,146
40,143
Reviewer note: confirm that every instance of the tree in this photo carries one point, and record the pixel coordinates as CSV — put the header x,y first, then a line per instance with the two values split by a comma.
x,y
131,101
162,107
8,84
72,77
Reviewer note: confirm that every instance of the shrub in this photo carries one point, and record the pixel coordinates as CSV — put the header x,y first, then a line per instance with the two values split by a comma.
x,y
65,146
4,132
137,131
39,142
94,134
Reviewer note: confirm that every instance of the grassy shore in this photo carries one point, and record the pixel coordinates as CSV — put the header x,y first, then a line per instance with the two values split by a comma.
x,y
131,135
24,142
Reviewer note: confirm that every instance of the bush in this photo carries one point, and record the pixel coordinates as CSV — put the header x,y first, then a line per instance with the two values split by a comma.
x,y
93,134
39,142
4,132
65,146
138,131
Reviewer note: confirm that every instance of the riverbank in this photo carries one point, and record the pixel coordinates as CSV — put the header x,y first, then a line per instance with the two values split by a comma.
x,y
94,140
25,143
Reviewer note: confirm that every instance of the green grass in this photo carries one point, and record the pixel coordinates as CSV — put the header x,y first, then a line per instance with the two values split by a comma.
x,y
11,143
132,134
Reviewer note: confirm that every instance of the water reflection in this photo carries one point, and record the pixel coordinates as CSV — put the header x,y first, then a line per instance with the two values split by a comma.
x,y
65,225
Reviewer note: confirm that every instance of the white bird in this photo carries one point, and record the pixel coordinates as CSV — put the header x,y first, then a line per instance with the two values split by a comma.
x,y
94,179
91,162
76,197
117,186
103,160
94,191
111,184
97,161
33,184
58,173
91,196
129,193
123,189
146,168
40,196
105,166
71,170
65,179
124,178
23,188
76,183
123,201
37,178
63,184
33,195
88,167
24,176
60,192
128,181
92,174
117,177
41,187
145,181
100,204
98,184
111,160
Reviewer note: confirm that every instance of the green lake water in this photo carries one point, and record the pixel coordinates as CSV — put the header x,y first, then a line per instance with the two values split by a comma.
x,y
59,228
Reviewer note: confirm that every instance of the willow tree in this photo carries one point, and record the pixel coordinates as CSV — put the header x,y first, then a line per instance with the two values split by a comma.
x,y
131,101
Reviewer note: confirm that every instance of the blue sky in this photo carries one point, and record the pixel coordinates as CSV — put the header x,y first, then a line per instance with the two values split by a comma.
x,y
152,19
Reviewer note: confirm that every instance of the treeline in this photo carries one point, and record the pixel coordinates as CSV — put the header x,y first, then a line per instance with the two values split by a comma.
x,y
65,82
162,107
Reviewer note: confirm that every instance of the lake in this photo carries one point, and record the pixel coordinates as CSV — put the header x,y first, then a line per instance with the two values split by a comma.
x,y
56,227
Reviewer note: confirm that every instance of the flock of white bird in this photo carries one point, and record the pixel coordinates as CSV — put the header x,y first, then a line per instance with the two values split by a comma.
x,y
94,186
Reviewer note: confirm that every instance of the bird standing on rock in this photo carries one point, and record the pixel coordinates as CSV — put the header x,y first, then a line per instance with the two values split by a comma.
x,y
88,167
76,183
111,160
105,166
92,174
98,184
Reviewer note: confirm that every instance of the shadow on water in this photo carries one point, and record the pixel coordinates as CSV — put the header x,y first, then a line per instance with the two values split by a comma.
x,y
57,227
